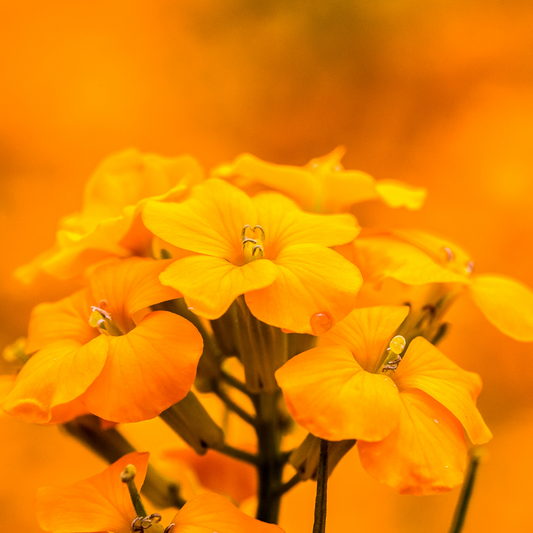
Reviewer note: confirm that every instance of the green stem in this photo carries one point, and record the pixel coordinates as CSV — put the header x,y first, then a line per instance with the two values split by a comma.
x,y
234,382
237,453
270,467
321,489
286,487
233,406
466,491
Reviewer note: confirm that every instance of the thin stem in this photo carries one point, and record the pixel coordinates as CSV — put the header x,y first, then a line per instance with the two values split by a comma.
x,y
466,491
286,487
321,489
270,467
237,453
234,382
233,406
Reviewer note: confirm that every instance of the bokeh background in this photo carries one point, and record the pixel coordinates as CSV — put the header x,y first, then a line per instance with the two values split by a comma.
x,y
438,94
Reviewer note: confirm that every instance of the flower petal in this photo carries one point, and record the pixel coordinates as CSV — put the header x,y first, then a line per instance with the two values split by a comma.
x,y
384,256
426,368
55,375
67,319
311,280
129,286
365,332
147,370
507,303
329,394
99,503
211,512
297,182
210,284
397,194
286,224
425,454
209,222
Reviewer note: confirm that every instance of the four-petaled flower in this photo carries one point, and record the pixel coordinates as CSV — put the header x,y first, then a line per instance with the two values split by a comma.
x,y
263,247
409,424
102,350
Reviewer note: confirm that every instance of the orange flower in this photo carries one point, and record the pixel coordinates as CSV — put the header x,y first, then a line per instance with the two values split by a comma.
x,y
417,258
102,503
322,186
109,224
409,424
120,361
265,248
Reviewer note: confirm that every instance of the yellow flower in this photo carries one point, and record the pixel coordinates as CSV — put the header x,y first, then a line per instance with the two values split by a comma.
x,y
416,258
265,248
109,224
321,186
409,422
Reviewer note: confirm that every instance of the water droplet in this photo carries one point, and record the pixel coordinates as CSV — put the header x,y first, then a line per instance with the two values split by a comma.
x,y
321,323
446,466
190,308
436,421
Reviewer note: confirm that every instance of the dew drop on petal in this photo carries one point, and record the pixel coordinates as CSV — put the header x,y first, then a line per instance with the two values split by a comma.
x,y
321,323
436,421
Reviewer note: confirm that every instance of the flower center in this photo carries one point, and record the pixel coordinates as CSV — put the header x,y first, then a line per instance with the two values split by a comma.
x,y
253,242
101,320
396,347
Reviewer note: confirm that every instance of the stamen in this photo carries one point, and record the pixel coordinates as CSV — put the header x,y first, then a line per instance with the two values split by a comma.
x,y
396,347
144,522
168,528
253,247
101,311
449,253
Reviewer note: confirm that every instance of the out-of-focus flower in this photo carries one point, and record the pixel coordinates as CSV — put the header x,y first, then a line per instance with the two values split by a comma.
x,y
103,503
265,248
409,424
417,258
103,350
109,224
321,186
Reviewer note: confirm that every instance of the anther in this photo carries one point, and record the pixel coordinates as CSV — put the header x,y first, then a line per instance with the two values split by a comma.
x,y
248,240
168,528
449,253
100,310
396,347
258,252
145,522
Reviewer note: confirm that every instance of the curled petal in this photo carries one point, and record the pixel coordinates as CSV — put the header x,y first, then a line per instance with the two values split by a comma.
x,y
147,370
384,256
56,375
211,512
301,289
507,303
425,454
210,284
424,367
397,194
329,394
99,503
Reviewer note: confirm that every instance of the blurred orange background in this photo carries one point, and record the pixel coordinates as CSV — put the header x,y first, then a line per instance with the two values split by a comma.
x,y
438,94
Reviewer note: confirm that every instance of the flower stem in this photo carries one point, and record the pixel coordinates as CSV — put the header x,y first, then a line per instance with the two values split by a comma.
x,y
237,453
233,406
321,489
466,491
271,463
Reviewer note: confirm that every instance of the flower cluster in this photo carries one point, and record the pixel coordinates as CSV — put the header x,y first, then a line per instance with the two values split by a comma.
x,y
244,284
